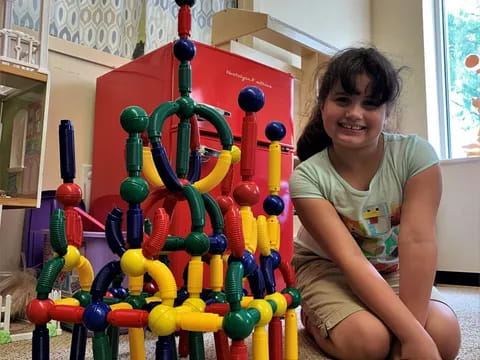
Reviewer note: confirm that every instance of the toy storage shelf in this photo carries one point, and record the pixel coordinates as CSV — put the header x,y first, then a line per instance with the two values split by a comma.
x,y
22,132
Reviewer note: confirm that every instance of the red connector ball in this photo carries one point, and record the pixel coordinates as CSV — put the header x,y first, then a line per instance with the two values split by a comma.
x,y
246,194
69,194
38,311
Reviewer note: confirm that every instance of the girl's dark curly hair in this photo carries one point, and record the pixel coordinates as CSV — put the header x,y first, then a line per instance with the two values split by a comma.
x,y
343,68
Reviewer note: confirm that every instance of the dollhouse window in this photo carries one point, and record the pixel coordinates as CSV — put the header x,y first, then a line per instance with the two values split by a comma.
x,y
19,135
459,56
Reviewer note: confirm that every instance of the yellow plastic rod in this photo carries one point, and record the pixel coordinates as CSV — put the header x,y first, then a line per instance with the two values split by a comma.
x,y
291,335
274,167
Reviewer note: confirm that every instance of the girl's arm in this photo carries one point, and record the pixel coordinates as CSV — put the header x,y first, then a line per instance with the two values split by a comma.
x,y
416,244
321,220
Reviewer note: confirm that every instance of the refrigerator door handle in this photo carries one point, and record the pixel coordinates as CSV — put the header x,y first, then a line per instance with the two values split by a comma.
x,y
207,153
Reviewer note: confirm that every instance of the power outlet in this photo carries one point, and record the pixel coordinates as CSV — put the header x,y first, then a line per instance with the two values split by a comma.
x,y
86,184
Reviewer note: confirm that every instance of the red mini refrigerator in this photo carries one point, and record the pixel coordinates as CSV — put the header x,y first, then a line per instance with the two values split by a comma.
x,y
217,78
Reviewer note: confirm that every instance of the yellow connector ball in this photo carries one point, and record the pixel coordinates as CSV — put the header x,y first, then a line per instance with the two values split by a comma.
x,y
133,262
162,320
72,258
236,154
280,301
265,310
195,304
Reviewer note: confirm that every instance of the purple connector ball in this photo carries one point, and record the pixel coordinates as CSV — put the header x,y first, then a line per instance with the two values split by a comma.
x,y
251,99
273,205
275,131
184,49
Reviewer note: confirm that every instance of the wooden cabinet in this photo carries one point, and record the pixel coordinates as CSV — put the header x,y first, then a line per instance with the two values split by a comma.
x,y
23,104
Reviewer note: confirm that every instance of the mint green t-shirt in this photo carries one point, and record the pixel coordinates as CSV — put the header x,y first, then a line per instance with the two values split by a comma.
x,y
371,216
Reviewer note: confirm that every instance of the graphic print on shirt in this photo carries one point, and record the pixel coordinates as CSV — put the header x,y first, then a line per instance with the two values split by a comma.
x,y
378,219
377,235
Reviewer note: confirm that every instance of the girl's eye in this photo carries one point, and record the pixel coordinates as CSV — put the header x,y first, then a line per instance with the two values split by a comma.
x,y
341,100
370,104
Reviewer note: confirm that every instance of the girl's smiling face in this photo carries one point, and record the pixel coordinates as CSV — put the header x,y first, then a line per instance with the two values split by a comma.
x,y
353,121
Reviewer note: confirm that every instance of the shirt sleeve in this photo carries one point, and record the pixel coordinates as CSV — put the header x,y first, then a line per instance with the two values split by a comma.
x,y
305,183
420,156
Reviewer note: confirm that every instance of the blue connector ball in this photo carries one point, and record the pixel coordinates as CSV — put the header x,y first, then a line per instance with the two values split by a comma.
x,y
273,205
95,316
251,99
275,131
185,2
218,244
184,49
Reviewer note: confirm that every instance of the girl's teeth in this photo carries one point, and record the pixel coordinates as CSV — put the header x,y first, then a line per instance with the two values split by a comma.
x,y
352,127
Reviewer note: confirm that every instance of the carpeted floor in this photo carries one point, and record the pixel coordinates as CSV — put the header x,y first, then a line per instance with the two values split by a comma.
x,y
464,300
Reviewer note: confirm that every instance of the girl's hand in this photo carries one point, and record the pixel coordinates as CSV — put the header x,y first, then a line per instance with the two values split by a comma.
x,y
419,348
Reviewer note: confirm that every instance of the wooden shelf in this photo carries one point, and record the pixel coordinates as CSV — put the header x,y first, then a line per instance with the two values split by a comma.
x,y
14,70
234,23
18,202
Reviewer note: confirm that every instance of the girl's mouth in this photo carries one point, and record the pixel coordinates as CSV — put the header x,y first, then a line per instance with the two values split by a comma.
x,y
352,126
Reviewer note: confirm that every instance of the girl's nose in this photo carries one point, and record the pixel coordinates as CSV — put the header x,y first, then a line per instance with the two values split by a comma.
x,y
354,111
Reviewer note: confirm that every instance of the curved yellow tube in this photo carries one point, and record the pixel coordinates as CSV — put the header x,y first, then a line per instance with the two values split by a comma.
x,y
67,301
167,287
274,167
274,232
120,306
149,170
291,335
262,236
153,299
217,174
85,273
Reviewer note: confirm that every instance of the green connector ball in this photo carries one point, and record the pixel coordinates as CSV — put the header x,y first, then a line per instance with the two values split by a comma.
x,y
296,297
84,297
137,301
218,297
134,119
186,107
134,190
197,243
238,325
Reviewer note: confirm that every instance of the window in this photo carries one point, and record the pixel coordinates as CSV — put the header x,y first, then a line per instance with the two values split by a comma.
x,y
460,44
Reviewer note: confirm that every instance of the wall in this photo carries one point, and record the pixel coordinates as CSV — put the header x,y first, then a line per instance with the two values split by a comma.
x,y
458,224
397,29
340,23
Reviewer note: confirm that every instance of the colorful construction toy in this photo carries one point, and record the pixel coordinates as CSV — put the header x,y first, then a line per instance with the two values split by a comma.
x,y
102,306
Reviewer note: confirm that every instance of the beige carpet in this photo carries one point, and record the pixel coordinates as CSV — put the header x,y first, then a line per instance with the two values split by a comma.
x,y
464,300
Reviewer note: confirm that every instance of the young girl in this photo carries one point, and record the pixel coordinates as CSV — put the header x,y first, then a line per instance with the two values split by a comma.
x,y
365,255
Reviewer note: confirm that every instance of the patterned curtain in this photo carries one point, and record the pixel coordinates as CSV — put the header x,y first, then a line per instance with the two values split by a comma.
x,y
161,20
114,25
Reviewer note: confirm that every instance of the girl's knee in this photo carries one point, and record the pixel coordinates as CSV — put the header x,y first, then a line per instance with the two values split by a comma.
x,y
359,336
443,327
